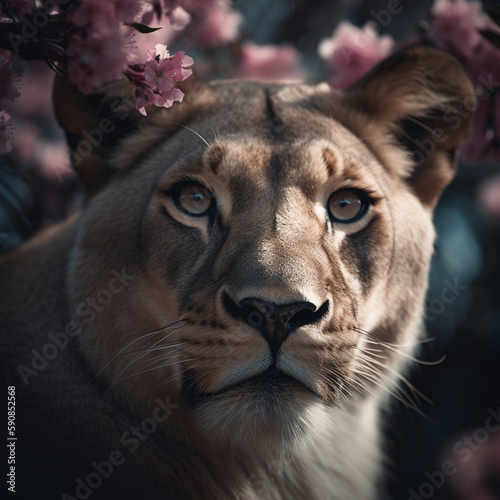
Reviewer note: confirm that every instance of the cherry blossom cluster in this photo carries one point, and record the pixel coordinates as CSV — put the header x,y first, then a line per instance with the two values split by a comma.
x,y
352,51
96,41
97,50
92,41
455,27
11,71
100,50
155,80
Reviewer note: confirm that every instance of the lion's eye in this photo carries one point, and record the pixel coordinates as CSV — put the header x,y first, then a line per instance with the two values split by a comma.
x,y
347,206
194,199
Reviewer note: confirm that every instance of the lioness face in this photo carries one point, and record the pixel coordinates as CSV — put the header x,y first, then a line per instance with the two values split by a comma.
x,y
285,248
278,249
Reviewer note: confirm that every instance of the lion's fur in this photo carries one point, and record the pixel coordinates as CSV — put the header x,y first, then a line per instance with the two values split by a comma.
x,y
273,151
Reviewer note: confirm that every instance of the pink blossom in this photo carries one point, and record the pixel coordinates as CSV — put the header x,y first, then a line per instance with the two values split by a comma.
x,y
35,151
215,26
144,96
166,99
96,58
5,138
27,140
53,161
488,197
193,5
156,79
11,70
126,11
474,478
483,143
168,4
35,101
270,62
158,75
484,65
174,10
352,51
455,26
178,64
179,18
143,41
92,12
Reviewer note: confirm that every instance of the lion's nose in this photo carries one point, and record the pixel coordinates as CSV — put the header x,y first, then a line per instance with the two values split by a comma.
x,y
275,322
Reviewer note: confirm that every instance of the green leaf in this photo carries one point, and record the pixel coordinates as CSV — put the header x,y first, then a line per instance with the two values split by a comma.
x,y
492,37
142,28
494,13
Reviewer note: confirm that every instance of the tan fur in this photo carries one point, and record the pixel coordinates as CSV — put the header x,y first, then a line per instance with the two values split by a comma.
x,y
275,154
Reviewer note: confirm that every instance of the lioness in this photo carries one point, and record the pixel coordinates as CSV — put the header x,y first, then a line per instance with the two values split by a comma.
x,y
228,313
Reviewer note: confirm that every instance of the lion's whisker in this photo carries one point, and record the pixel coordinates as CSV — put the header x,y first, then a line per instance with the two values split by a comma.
x,y
403,398
194,132
369,372
205,361
138,357
400,377
139,338
395,348
159,367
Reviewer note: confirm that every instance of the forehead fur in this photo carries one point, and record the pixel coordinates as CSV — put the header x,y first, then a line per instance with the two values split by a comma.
x,y
271,112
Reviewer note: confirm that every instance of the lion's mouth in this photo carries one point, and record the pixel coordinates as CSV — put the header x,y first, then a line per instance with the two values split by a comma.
x,y
271,382
271,379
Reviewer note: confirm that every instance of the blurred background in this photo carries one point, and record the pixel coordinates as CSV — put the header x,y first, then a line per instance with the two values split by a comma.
x,y
331,40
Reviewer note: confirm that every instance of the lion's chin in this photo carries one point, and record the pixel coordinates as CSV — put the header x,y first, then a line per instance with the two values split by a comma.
x,y
266,412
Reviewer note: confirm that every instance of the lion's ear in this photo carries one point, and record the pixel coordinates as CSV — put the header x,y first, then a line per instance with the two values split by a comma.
x,y
424,101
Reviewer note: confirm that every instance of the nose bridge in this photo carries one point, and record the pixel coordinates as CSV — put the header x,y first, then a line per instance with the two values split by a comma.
x,y
279,261
295,221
